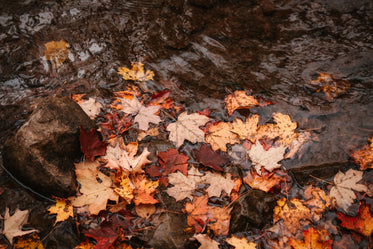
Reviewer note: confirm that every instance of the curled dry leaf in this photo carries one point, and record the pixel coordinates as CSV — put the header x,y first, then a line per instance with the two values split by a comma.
x,y
345,184
62,208
95,187
187,128
240,243
57,52
266,158
13,224
136,73
239,100
220,135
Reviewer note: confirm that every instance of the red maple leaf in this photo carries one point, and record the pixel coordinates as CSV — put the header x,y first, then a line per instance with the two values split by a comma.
x,y
90,144
170,161
104,237
210,158
162,99
362,223
114,125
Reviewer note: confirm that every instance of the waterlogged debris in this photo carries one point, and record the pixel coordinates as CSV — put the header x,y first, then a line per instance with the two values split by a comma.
x,y
57,52
136,73
331,86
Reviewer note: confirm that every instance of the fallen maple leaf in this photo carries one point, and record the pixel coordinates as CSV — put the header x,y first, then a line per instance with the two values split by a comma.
x,y
143,114
32,242
294,215
241,243
114,125
213,159
62,208
266,180
90,144
239,100
184,186
85,245
220,135
364,156
105,236
218,183
170,162
248,129
345,184
162,99
197,213
206,242
126,187
137,72
91,107
57,52
219,219
317,201
151,132
13,224
312,239
362,223
95,187
144,190
187,128
266,158
119,158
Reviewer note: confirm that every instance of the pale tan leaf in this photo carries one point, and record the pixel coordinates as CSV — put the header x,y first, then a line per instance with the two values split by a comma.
x,y
266,158
91,107
145,210
151,132
240,243
206,242
218,183
220,134
13,224
187,128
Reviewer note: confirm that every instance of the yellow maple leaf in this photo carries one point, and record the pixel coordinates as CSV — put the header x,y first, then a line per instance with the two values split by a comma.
x,y
239,100
240,243
32,242
136,73
220,134
85,245
246,130
56,52
293,215
62,208
317,201
126,188
314,239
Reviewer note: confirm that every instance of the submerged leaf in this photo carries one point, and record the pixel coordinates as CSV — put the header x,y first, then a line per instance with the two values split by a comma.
x,y
136,73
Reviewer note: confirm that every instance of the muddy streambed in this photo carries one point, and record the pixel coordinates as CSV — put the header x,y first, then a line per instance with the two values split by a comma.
x,y
201,51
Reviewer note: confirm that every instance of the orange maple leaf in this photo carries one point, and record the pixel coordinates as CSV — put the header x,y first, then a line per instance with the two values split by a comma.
x,y
364,157
197,212
267,180
239,100
144,190
136,73
362,223
314,239
219,219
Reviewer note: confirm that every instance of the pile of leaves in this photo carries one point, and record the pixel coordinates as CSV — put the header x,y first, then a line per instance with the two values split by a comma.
x,y
206,165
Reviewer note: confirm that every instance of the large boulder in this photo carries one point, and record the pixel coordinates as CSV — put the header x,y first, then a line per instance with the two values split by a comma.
x,y
42,153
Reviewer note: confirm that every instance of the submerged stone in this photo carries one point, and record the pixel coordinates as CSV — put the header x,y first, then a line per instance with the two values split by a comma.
x,y
41,154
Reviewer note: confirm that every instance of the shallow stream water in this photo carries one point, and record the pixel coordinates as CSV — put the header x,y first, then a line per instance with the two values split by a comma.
x,y
201,51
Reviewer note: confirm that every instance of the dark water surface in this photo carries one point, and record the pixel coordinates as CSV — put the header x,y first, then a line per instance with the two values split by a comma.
x,y
201,51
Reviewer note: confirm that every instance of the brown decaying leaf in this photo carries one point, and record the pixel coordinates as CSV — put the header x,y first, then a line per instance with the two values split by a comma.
x,y
293,212
13,224
239,100
240,243
136,73
95,187
210,158
32,242
218,220
62,208
145,210
153,132
187,128
114,125
220,135
317,201
362,223
57,52
312,239
206,242
90,144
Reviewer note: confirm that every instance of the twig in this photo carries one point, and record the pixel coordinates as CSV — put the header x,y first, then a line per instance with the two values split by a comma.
x,y
322,180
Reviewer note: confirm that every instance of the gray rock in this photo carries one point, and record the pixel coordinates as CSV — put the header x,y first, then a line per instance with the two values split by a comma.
x,y
253,210
42,152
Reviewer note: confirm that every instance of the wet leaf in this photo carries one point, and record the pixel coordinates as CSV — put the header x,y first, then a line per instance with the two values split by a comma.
x,y
136,73
197,213
62,208
239,100
90,144
162,99
32,242
144,190
220,135
218,220
240,243
266,158
91,107
125,189
170,162
345,184
312,239
293,212
206,242
267,180
218,183
57,52
206,156
84,245
317,201
114,125
145,210
187,128
95,188
246,130
184,186
13,224
362,223
151,132
331,86
105,236
364,156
